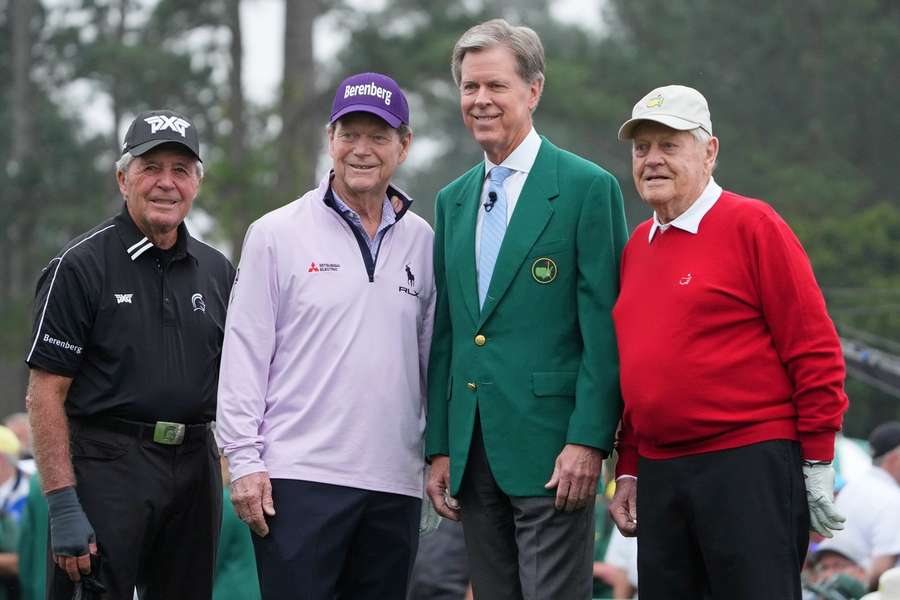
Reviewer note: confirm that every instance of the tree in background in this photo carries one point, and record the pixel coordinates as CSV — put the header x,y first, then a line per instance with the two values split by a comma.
x,y
800,98
801,95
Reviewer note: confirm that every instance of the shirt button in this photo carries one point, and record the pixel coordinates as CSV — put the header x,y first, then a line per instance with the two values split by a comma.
x,y
472,386
480,340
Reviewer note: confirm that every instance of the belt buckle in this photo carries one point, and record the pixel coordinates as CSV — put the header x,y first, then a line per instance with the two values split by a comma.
x,y
170,434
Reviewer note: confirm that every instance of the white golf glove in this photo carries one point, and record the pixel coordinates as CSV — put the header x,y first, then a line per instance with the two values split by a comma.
x,y
823,517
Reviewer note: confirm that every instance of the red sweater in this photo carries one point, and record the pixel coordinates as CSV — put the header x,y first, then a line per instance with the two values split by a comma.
x,y
724,339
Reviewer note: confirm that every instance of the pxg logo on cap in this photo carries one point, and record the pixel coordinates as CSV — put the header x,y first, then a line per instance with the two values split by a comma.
x,y
373,93
154,127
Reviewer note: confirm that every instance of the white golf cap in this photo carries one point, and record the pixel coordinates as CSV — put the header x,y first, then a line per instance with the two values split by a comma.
x,y
676,106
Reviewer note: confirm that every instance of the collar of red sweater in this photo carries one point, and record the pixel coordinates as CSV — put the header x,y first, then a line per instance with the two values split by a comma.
x,y
690,219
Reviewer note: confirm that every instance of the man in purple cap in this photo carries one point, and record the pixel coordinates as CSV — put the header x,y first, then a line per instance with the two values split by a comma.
x,y
321,400
124,360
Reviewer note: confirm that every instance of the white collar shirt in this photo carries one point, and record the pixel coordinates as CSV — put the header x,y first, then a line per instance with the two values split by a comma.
x,y
520,161
690,219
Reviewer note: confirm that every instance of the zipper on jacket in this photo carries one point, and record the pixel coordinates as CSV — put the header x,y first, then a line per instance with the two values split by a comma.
x,y
360,240
364,246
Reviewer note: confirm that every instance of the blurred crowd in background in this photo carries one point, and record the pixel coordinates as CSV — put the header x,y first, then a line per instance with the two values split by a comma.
x,y
840,568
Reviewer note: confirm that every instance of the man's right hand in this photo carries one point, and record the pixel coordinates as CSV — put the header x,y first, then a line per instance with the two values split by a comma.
x,y
251,496
438,488
71,534
623,506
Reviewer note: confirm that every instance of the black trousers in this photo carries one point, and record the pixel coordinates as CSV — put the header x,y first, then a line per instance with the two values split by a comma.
x,y
727,525
156,511
330,542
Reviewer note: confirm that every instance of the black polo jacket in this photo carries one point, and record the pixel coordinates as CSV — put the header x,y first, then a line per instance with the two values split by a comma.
x,y
138,329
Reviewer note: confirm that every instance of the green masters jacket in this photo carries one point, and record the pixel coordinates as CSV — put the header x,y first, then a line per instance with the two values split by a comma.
x,y
539,360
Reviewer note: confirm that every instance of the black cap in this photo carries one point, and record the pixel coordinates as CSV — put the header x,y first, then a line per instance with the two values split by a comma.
x,y
154,127
884,438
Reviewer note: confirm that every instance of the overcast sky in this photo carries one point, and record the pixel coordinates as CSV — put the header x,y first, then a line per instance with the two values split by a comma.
x,y
263,31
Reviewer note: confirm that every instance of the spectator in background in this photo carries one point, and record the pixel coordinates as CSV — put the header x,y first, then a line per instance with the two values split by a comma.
x,y
871,503
32,547
615,556
836,571
19,425
620,565
441,571
235,577
13,491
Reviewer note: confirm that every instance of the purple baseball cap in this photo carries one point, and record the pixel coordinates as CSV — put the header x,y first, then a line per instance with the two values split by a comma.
x,y
373,93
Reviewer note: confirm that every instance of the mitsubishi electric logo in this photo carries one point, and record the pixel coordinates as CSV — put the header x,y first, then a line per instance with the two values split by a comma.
x,y
323,267
123,298
160,122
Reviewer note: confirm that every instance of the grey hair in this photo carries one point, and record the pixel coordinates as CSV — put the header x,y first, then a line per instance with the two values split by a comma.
x,y
125,161
701,135
402,129
522,41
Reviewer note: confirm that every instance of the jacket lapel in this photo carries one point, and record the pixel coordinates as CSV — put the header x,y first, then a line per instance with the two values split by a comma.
x,y
533,211
467,203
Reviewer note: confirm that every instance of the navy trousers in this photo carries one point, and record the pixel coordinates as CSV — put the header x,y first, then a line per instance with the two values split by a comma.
x,y
330,542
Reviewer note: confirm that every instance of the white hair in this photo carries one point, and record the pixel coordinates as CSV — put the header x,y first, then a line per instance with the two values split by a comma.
x,y
701,135
125,161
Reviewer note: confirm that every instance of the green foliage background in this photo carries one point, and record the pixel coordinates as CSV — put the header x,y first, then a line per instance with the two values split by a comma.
x,y
803,96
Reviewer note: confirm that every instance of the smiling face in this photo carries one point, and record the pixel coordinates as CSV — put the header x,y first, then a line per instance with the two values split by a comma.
x,y
670,167
365,151
159,188
496,102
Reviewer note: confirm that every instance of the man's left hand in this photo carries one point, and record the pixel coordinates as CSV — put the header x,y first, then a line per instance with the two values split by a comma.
x,y
823,516
575,476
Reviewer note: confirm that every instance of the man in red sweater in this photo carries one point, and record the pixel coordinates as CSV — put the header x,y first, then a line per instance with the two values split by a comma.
x,y
731,373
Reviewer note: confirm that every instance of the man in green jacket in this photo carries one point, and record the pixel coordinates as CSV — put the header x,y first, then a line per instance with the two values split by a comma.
x,y
523,393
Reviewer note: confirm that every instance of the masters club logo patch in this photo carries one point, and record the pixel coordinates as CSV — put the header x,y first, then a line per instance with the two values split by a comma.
x,y
544,270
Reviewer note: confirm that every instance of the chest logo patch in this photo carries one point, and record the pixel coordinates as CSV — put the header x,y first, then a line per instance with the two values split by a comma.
x,y
686,279
123,298
198,303
544,270
410,282
323,267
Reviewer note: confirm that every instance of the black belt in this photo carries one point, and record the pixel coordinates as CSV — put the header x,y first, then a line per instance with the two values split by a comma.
x,y
162,432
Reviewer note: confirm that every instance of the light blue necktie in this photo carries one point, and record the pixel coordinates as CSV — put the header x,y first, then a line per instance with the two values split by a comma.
x,y
493,227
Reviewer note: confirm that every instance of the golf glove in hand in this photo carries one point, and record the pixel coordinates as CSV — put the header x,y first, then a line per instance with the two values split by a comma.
x,y
70,531
823,517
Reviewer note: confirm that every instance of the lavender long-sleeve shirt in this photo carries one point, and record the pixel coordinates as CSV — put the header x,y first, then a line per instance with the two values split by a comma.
x,y
323,371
